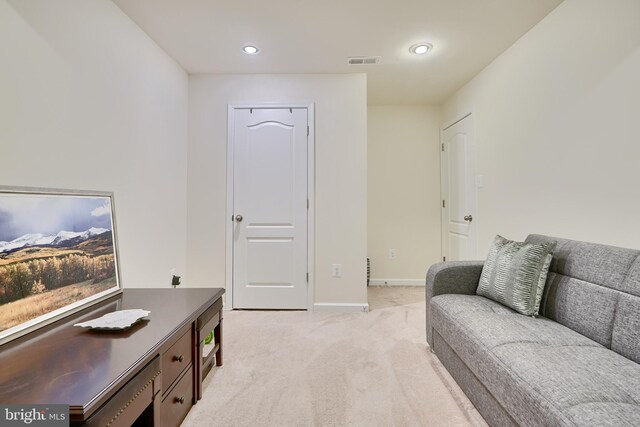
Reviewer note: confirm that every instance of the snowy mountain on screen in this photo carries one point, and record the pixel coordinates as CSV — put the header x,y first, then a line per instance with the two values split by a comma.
x,y
39,239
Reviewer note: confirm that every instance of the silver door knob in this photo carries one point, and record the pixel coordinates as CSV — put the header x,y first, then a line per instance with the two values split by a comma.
x,y
468,218
238,218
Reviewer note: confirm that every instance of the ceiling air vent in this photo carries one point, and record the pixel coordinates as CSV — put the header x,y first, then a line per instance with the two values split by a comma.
x,y
364,60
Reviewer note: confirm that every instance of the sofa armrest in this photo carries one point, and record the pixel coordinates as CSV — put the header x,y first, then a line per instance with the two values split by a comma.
x,y
452,277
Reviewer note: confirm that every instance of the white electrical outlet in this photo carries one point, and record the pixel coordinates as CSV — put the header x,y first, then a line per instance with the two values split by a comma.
x,y
336,270
393,254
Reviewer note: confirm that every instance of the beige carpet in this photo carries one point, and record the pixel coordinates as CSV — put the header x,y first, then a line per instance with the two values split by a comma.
x,y
332,369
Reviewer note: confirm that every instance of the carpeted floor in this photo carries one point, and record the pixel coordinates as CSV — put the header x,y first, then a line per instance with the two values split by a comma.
x,y
295,368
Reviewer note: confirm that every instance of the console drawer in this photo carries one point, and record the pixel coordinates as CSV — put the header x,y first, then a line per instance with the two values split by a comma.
x,y
208,327
178,401
209,314
130,401
176,359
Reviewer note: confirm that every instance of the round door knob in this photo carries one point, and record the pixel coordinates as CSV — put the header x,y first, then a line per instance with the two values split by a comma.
x,y
180,400
239,218
468,218
178,358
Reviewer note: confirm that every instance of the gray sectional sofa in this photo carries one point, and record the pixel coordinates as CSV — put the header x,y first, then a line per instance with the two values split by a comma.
x,y
577,364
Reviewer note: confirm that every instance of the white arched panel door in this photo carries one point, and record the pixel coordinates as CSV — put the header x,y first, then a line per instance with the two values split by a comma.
x,y
270,209
458,191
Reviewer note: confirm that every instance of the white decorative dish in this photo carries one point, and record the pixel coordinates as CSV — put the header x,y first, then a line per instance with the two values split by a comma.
x,y
117,320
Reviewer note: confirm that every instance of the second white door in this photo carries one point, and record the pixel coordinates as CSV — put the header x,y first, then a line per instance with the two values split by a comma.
x,y
270,208
458,191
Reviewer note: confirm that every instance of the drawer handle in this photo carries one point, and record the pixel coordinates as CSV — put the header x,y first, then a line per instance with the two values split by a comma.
x,y
179,400
178,358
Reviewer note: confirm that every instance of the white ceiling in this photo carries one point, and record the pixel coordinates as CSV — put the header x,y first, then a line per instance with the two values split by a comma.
x,y
316,36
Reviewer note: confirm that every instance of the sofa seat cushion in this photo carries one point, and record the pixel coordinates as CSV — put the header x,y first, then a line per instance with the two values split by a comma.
x,y
494,324
540,371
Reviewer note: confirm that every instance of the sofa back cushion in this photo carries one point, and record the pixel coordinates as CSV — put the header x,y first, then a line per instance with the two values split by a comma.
x,y
593,290
626,329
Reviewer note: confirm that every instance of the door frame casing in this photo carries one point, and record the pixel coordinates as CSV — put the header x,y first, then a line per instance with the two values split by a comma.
x,y
443,196
231,109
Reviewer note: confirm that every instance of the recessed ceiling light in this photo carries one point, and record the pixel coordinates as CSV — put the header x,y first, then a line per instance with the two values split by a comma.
x,y
421,48
251,50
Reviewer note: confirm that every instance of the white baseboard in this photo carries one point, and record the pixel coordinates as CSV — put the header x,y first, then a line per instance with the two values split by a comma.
x,y
341,307
396,282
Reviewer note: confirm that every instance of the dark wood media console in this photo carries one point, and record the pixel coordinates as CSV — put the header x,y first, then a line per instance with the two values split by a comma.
x,y
148,375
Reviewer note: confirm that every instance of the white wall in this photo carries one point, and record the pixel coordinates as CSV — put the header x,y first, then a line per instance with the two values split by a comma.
x,y
403,192
557,128
341,163
88,101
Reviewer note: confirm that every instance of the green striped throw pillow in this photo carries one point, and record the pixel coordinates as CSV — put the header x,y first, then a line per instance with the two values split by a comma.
x,y
515,273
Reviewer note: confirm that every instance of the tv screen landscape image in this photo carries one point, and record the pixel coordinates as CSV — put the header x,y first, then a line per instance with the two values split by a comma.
x,y
58,253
